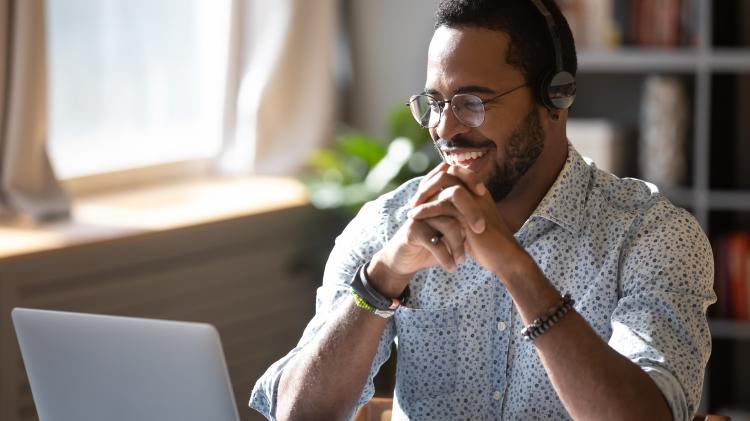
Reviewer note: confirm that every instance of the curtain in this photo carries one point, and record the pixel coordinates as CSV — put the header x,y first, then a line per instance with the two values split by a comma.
x,y
280,90
27,181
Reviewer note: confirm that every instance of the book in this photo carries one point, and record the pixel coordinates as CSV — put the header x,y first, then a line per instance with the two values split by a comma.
x,y
607,24
737,260
663,131
722,308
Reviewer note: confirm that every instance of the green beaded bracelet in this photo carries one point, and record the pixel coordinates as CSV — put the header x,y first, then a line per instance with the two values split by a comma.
x,y
361,303
364,305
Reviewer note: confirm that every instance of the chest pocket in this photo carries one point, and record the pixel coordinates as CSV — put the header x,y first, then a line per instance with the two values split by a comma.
x,y
427,353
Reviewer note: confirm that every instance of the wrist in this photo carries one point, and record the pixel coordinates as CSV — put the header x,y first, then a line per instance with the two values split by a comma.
x,y
384,279
515,264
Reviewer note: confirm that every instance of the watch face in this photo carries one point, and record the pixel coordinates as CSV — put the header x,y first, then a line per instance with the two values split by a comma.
x,y
385,313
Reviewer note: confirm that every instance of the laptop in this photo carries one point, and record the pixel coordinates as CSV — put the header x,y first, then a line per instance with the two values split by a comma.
x,y
86,367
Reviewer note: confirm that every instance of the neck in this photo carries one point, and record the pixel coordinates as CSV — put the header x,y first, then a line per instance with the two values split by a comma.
x,y
525,196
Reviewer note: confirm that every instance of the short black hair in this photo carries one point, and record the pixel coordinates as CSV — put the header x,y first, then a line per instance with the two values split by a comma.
x,y
530,49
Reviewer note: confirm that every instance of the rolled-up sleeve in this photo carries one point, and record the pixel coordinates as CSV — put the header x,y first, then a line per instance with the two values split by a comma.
x,y
660,320
356,244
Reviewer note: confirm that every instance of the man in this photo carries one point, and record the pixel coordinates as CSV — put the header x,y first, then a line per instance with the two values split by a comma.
x,y
486,244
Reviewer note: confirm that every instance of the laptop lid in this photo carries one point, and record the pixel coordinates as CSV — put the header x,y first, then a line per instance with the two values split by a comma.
x,y
86,367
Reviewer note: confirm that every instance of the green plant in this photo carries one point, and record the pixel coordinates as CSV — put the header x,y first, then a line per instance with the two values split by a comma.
x,y
358,168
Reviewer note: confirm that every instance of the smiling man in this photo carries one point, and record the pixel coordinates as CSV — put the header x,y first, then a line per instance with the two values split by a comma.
x,y
517,279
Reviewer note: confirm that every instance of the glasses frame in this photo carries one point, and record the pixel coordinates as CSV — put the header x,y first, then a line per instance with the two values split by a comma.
x,y
442,102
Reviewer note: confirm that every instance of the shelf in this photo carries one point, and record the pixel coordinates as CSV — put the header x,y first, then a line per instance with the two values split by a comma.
x,y
663,60
729,200
730,60
682,197
637,60
729,329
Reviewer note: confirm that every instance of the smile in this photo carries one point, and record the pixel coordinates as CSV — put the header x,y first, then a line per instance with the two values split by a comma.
x,y
463,159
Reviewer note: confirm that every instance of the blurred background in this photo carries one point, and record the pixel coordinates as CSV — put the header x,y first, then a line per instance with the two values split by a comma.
x,y
195,159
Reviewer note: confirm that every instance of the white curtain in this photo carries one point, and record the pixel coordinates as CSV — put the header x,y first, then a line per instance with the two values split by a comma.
x,y
27,182
280,93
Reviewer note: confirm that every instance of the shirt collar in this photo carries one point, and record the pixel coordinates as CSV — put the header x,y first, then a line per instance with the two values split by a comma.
x,y
565,200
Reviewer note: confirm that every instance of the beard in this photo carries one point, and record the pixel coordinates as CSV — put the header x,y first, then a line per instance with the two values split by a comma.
x,y
522,149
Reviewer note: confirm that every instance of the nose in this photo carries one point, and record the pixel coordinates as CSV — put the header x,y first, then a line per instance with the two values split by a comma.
x,y
449,125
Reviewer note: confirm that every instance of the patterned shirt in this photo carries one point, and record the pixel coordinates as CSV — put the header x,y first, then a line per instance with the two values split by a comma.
x,y
640,269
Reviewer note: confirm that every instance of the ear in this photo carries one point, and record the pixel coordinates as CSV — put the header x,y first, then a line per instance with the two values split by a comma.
x,y
550,117
556,116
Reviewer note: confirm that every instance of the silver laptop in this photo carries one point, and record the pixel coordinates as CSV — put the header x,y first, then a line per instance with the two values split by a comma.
x,y
85,367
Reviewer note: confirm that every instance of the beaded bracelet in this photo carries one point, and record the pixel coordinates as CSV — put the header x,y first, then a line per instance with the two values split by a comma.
x,y
554,314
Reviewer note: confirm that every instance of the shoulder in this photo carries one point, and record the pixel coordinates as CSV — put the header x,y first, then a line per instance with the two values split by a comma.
x,y
660,238
626,194
640,199
655,222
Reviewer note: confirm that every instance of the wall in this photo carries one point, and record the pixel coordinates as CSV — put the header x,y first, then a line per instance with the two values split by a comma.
x,y
389,40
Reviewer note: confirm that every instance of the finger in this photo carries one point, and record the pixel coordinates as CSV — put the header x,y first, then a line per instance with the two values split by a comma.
x,y
456,202
433,186
442,167
469,178
420,235
468,207
453,236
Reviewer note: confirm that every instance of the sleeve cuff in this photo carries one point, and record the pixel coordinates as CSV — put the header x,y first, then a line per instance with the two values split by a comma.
x,y
672,391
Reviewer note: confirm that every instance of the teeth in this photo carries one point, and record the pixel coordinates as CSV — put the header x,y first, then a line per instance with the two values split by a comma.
x,y
455,157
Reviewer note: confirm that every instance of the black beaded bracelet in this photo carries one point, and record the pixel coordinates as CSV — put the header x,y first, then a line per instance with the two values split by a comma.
x,y
542,324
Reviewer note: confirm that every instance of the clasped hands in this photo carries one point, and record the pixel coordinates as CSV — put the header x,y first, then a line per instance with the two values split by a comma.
x,y
453,204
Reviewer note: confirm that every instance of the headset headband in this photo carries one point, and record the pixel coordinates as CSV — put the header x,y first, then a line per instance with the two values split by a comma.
x,y
552,27
555,89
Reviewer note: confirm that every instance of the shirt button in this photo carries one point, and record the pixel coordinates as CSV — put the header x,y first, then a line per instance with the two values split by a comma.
x,y
501,326
496,395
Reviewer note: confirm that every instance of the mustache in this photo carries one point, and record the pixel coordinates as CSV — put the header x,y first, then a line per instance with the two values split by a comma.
x,y
462,142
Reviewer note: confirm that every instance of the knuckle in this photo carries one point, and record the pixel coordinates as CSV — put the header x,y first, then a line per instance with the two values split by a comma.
x,y
461,193
443,178
454,190
449,193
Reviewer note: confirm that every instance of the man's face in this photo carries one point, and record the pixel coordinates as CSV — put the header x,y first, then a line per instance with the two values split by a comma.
x,y
511,138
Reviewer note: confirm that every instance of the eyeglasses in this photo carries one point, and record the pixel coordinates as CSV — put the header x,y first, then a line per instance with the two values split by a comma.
x,y
468,108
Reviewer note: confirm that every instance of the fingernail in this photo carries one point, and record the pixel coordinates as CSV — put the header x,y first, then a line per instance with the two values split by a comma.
x,y
462,259
479,226
411,213
481,190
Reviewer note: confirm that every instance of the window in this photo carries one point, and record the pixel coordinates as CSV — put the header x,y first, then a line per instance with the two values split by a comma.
x,y
135,83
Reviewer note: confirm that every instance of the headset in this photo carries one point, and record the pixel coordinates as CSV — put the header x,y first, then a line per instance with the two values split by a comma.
x,y
556,88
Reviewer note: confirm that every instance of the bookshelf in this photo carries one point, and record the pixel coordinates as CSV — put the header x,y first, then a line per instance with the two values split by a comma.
x,y
708,68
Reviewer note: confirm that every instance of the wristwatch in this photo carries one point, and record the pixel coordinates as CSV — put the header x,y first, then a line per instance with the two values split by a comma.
x,y
361,285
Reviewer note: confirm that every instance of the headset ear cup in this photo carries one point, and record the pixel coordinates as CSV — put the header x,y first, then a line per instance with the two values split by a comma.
x,y
542,90
558,90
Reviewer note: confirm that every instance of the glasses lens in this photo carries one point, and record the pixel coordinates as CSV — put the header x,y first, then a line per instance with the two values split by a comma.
x,y
469,109
425,109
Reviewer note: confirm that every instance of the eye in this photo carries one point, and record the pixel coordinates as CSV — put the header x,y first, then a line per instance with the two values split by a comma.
x,y
434,105
472,103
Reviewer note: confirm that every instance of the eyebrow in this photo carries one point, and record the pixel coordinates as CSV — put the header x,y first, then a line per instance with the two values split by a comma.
x,y
473,89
